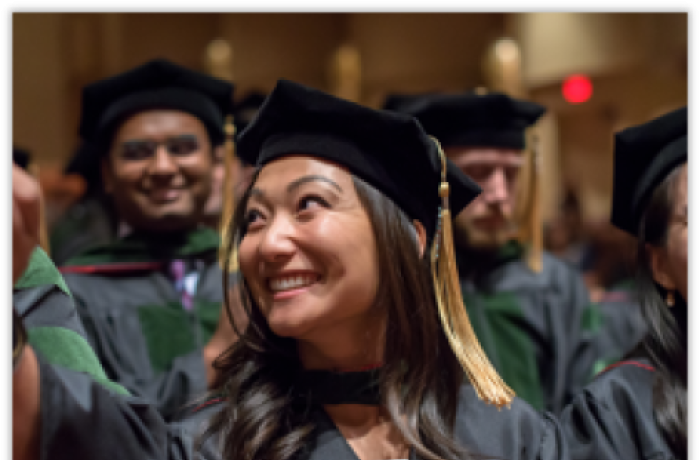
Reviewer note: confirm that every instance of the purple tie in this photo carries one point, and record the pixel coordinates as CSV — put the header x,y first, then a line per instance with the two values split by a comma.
x,y
178,272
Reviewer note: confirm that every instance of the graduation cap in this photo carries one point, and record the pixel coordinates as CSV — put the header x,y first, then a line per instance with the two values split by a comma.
x,y
21,157
644,156
157,84
245,110
388,150
397,102
488,119
471,119
393,153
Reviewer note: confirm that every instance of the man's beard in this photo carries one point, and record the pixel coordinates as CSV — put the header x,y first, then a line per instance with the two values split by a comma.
x,y
468,236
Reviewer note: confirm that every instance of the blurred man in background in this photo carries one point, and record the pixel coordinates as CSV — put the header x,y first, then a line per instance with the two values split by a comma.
x,y
151,299
536,324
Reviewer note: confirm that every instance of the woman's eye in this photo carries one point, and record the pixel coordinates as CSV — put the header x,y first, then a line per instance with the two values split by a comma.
x,y
252,216
310,202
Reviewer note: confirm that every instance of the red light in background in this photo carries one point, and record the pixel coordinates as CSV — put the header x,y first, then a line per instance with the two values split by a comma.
x,y
577,89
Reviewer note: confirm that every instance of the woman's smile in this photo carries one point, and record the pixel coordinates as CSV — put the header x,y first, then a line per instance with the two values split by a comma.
x,y
288,285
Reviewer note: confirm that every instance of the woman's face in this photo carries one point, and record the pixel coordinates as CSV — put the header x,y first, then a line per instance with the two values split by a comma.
x,y
671,261
309,253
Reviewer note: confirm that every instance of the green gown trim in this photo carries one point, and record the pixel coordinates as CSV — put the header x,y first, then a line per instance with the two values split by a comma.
x,y
139,247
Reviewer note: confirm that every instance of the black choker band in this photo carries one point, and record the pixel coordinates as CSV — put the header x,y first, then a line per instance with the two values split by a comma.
x,y
328,387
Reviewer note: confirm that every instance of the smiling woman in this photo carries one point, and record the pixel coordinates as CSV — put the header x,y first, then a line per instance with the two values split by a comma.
x,y
638,407
358,344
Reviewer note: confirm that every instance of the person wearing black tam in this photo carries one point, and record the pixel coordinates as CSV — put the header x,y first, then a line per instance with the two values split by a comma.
x,y
90,221
397,102
151,299
638,408
509,283
357,341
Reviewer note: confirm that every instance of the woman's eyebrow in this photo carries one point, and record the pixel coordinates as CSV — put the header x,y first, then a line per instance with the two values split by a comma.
x,y
311,178
260,194
256,192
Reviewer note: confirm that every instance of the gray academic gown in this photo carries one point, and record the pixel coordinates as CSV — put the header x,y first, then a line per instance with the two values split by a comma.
x,y
145,338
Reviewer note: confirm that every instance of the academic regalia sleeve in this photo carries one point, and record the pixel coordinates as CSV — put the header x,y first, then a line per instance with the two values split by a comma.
x,y
47,311
518,432
613,418
169,390
47,306
81,420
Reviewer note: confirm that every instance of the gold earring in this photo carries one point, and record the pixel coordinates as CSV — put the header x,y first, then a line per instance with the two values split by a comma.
x,y
670,299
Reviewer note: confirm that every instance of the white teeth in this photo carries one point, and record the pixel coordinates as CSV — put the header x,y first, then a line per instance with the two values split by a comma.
x,y
291,282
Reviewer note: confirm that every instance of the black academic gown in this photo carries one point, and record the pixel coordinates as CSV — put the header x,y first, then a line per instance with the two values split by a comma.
x,y
613,418
518,433
82,420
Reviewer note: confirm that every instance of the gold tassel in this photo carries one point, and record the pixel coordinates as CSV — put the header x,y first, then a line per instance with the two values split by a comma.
x,y
228,199
488,384
533,222
527,218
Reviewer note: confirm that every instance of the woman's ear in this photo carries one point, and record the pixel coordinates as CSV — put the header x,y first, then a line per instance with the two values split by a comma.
x,y
422,237
659,267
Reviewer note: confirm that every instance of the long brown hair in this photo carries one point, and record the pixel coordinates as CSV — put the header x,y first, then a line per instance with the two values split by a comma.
x,y
665,344
261,418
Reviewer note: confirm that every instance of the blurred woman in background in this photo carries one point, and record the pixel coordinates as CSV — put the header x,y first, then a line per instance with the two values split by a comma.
x,y
637,408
